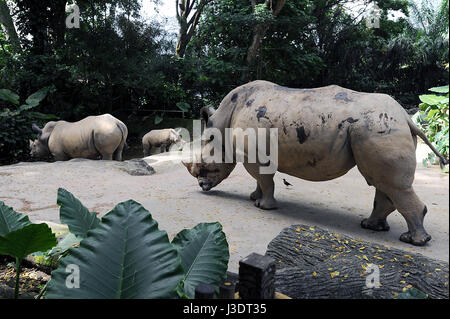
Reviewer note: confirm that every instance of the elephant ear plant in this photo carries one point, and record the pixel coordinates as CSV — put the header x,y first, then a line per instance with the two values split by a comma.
x,y
19,238
78,219
127,256
204,255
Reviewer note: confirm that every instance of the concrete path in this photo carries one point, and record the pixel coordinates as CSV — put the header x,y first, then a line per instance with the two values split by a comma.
x,y
176,201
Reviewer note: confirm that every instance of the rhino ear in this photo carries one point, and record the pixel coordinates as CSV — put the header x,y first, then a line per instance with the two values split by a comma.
x,y
189,166
36,129
206,113
46,132
31,142
173,134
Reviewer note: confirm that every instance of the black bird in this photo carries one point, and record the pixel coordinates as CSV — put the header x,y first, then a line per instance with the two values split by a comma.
x,y
286,182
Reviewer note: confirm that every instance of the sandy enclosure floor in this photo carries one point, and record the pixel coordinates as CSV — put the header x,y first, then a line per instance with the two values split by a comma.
x,y
175,200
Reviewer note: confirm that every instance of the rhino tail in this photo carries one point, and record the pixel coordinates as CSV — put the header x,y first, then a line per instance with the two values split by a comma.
x,y
415,130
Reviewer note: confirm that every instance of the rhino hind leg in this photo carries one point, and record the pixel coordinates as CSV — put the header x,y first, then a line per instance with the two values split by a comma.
x,y
107,156
414,211
382,207
117,156
390,167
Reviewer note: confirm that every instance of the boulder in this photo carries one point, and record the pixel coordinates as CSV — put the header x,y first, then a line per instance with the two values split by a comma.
x,y
136,167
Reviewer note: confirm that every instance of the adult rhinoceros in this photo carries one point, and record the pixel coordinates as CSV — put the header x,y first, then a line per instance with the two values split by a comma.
x,y
94,136
322,134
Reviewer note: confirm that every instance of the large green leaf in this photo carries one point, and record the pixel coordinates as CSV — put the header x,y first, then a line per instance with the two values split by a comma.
x,y
126,256
440,89
69,241
75,215
27,240
183,106
35,98
204,255
432,99
412,293
158,119
42,116
9,96
10,220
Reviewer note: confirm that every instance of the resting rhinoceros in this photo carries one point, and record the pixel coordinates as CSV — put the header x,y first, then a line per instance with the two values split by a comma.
x,y
92,137
322,134
160,138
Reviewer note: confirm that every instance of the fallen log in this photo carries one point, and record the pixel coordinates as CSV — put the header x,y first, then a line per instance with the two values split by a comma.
x,y
315,263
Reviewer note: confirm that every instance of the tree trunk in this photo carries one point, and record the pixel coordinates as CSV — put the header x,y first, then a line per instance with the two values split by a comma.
x,y
315,263
259,32
8,24
182,41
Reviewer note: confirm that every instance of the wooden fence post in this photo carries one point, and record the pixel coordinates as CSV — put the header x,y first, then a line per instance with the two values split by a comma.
x,y
204,291
227,290
257,277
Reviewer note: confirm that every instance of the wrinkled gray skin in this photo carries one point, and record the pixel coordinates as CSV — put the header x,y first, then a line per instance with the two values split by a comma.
x,y
322,134
160,138
93,137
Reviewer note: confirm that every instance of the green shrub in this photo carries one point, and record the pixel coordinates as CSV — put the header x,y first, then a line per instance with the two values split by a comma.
x,y
433,117
15,123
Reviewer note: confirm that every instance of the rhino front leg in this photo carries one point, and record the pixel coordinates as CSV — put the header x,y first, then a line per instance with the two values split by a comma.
x,y
257,194
61,156
147,147
263,195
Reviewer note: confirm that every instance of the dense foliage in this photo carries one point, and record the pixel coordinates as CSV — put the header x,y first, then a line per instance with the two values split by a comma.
x,y
316,43
15,122
433,118
121,63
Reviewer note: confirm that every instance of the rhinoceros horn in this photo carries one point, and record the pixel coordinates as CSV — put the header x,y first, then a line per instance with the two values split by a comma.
x,y
36,129
206,112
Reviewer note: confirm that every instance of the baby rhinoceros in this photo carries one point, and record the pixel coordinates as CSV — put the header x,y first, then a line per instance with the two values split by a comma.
x,y
93,137
160,138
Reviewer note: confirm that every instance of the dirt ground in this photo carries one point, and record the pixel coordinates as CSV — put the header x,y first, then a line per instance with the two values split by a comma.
x,y
175,200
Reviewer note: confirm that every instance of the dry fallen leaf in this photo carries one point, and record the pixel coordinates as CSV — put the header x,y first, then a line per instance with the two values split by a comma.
x,y
334,274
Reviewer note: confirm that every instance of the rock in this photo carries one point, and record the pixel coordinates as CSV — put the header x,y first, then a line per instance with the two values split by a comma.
x,y
136,167
6,292
413,110
315,263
